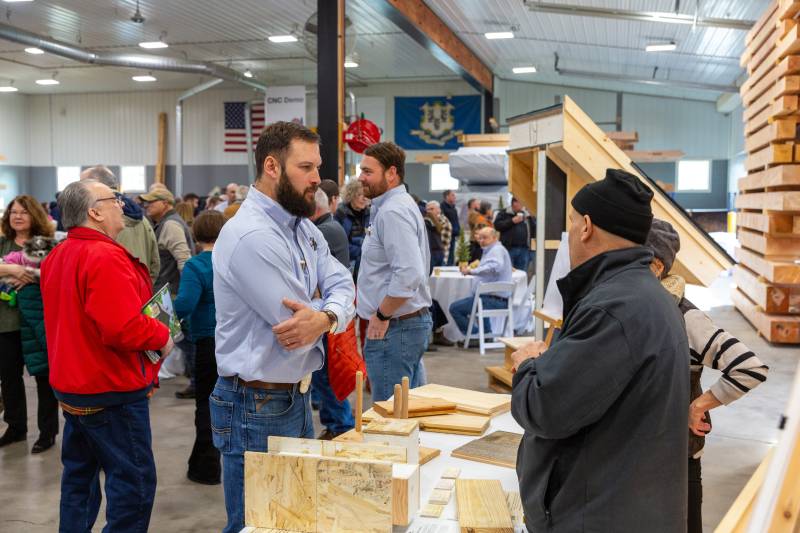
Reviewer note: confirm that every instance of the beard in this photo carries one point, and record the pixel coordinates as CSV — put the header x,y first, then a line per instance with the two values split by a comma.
x,y
294,202
373,191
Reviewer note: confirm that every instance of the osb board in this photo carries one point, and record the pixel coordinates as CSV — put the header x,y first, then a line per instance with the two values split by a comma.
x,y
344,450
482,403
773,201
315,494
391,426
416,407
782,270
782,329
498,448
457,423
768,245
482,506
780,176
771,298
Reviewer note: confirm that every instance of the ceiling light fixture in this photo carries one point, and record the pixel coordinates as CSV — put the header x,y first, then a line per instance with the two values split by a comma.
x,y
47,81
248,73
499,35
35,51
153,44
282,38
144,78
660,47
16,1
8,88
523,70
349,63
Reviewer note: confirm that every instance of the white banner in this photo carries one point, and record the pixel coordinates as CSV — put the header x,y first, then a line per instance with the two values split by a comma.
x,y
286,103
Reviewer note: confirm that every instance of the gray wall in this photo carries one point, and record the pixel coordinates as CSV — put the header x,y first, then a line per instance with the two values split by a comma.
x,y
13,182
717,198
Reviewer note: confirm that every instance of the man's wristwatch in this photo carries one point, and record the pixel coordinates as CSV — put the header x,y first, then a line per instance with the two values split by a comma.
x,y
333,319
381,316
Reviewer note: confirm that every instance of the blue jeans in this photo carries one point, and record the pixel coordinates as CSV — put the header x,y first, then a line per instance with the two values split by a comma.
x,y
241,420
117,441
461,309
398,354
336,416
451,255
520,257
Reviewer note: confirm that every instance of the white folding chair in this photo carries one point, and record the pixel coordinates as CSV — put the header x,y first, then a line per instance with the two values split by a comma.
x,y
479,313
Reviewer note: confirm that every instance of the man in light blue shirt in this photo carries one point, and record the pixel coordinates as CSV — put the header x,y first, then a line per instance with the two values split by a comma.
x,y
277,290
393,292
495,266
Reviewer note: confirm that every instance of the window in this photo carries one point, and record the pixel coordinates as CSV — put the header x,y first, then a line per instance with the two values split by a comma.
x,y
441,179
694,176
132,179
66,175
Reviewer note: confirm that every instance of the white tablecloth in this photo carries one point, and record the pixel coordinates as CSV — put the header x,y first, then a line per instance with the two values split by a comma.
x,y
450,285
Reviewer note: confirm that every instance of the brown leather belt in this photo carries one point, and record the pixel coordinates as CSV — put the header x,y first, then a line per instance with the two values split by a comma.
x,y
267,386
418,312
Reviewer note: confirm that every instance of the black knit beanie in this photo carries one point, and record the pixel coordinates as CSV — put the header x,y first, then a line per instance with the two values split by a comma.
x,y
620,204
664,241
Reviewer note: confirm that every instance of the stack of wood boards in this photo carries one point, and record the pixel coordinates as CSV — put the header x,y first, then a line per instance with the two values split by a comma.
x,y
468,401
416,407
768,204
456,423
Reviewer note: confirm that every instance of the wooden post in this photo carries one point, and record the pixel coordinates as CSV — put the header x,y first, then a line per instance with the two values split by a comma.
x,y
404,413
397,410
359,398
162,148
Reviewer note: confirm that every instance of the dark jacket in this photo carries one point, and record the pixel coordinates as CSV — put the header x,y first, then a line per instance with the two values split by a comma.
x,y
195,300
605,409
451,213
335,237
515,235
169,273
434,237
355,225
34,341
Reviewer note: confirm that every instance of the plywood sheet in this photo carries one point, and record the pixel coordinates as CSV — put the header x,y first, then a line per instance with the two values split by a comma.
x,y
280,491
354,497
498,448
470,401
482,506
416,407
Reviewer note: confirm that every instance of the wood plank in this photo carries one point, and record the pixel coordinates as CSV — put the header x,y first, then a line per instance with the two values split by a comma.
x,y
778,224
498,448
773,299
627,137
470,401
654,156
777,75
427,455
759,57
788,10
782,329
780,176
501,374
280,491
759,121
391,426
771,155
522,176
405,493
757,73
482,506
484,139
762,21
457,424
354,496
785,105
781,269
774,201
790,43
161,152
417,407
768,245
780,130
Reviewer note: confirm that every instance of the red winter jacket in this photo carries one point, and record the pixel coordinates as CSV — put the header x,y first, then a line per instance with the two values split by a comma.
x,y
93,291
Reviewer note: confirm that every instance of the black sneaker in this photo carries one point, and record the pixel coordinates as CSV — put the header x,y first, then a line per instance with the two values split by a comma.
x,y
42,444
185,394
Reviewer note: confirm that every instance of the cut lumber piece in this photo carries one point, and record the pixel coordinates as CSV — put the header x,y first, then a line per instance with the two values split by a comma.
x,y
759,121
768,245
457,423
780,176
396,432
386,426
482,403
354,496
796,224
765,37
772,201
770,155
654,156
790,43
432,510
766,18
500,378
451,473
780,130
626,137
498,448
785,105
778,224
484,139
427,455
346,450
780,75
482,507
446,484
440,497
773,299
416,407
780,269
280,491
759,55
783,329
759,69
405,493
788,9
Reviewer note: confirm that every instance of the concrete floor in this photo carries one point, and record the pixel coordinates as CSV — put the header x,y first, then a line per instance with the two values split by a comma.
x,y
29,484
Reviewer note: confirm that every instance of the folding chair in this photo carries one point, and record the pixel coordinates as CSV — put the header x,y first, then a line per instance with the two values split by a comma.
x,y
480,313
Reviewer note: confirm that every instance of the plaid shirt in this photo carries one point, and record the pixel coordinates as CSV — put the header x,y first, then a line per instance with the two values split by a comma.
x,y
446,234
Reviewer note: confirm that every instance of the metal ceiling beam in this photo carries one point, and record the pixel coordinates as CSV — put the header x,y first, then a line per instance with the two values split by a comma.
x,y
423,25
645,81
648,16
141,61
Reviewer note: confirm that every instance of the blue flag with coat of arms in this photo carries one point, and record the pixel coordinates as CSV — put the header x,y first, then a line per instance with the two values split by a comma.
x,y
435,122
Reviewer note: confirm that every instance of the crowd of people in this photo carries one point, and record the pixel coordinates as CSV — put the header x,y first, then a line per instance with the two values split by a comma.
x,y
266,279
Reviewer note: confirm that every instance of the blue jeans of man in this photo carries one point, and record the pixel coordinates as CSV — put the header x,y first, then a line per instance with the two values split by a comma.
x,y
242,418
398,354
116,440
461,309
336,416
520,257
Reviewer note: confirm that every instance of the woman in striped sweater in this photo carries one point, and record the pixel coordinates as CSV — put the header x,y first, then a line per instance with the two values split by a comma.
x,y
711,347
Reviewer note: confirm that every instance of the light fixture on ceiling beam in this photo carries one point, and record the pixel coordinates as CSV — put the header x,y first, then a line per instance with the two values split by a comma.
x,y
47,81
648,16
144,78
150,45
351,61
8,88
524,70
16,1
34,51
661,47
248,73
282,38
499,35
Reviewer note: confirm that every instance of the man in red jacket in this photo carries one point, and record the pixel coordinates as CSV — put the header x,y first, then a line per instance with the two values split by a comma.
x,y
93,291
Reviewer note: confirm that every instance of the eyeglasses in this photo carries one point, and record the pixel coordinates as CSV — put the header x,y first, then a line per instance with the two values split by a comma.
x,y
117,198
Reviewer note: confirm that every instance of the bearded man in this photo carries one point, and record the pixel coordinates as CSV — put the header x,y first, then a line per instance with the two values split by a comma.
x,y
277,290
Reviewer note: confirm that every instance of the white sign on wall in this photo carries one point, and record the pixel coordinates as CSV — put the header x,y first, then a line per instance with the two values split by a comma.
x,y
286,103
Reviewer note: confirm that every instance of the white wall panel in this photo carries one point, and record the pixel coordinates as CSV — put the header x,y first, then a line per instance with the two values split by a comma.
x,y
40,131
14,129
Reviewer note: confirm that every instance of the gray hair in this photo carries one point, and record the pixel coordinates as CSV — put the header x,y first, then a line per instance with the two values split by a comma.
x,y
351,190
322,201
241,192
104,175
431,203
74,203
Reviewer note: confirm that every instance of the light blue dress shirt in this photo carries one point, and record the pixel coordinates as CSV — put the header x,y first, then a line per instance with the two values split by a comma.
x,y
264,254
395,257
495,266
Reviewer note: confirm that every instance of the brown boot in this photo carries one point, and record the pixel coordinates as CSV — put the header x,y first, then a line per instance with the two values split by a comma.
x,y
440,340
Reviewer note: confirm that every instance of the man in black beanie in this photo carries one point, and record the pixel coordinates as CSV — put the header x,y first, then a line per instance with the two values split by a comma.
x,y
605,408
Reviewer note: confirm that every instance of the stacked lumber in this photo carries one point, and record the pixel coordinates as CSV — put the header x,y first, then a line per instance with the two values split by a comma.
x,y
626,141
768,203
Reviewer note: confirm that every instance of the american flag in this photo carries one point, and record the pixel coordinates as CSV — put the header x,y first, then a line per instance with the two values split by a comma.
x,y
235,128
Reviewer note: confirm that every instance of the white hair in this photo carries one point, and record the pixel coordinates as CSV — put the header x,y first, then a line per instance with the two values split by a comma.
x,y
432,203
322,201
